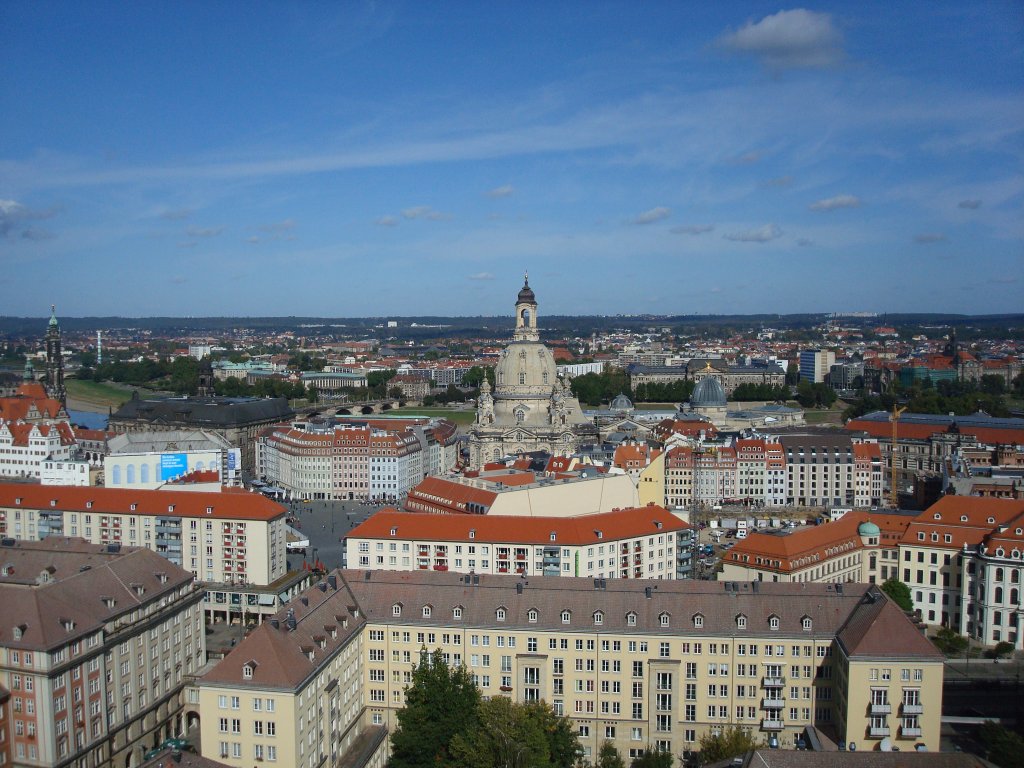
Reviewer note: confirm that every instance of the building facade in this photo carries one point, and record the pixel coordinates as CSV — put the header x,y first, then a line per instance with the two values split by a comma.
x,y
98,643
815,364
645,542
227,537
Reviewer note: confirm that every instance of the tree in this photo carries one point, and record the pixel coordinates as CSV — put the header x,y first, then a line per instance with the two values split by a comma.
x,y
513,735
731,742
652,758
441,703
949,642
899,593
1005,748
608,757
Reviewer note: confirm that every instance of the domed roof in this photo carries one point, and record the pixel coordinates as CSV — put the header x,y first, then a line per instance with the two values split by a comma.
x,y
525,369
867,528
708,393
621,403
526,292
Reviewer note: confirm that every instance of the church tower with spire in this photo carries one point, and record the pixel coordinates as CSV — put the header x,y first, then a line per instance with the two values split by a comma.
x,y
54,360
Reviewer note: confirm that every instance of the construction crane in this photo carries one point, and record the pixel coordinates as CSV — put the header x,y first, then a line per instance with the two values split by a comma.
x,y
894,495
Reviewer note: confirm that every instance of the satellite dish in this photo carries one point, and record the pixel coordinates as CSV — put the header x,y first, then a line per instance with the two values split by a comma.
x,y
885,745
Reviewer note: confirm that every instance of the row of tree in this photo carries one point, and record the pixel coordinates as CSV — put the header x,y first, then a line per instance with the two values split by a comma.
x,y
958,397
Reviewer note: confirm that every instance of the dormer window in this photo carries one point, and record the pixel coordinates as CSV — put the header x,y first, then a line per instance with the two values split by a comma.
x,y
133,507
394,531
805,622
741,622
566,617
936,516
991,521
248,670
426,611
663,619
598,618
552,537
698,621
499,615
948,538
630,619
532,615
396,609
457,612
963,518
773,622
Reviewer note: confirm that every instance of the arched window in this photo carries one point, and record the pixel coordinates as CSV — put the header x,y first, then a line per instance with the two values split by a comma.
x,y
999,594
144,473
130,474
663,619
116,479
773,622
806,623
698,621
1014,597
741,622
396,609
598,617
426,611
499,614
566,617
457,612
532,616
999,574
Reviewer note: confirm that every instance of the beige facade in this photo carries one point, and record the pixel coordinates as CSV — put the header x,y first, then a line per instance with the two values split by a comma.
x,y
96,651
645,542
229,537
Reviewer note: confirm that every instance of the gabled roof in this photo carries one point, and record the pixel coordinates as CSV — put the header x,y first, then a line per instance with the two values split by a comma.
x,y
877,628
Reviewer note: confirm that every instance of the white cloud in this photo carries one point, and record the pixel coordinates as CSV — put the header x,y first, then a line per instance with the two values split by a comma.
x,y
839,201
203,231
386,221
424,212
653,215
971,205
758,235
796,39
14,218
505,190
927,238
692,229
482,276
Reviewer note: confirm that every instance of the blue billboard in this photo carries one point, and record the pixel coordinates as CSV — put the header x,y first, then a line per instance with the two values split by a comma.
x,y
173,465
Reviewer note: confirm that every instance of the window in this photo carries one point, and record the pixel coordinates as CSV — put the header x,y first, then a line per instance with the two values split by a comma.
x,y
598,617
566,617
532,615
426,611
663,619
631,619
698,621
741,623
499,614
396,609
773,622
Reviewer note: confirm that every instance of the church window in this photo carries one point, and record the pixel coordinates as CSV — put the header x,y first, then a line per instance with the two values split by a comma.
x,y
520,416
522,378
545,377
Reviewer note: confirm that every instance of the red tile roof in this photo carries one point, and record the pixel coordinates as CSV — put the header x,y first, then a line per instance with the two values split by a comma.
x,y
621,524
965,519
236,506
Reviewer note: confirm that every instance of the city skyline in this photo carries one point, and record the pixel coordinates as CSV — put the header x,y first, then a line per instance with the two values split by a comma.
x,y
393,159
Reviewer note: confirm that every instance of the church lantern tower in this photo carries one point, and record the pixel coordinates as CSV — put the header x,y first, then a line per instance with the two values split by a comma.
x,y
526,313
54,360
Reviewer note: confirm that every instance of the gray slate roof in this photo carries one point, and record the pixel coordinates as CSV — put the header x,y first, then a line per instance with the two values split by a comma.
x,y
217,412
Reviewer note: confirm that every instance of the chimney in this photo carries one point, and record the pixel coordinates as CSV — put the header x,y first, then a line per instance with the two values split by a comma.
x,y
290,620
333,581
648,592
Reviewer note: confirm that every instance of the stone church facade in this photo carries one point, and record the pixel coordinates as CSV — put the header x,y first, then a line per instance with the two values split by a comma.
x,y
530,408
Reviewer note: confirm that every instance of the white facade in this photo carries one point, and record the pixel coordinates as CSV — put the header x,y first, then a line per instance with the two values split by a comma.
x,y
25,447
151,469
65,472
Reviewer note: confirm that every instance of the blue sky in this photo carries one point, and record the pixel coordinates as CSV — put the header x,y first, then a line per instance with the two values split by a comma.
x,y
345,159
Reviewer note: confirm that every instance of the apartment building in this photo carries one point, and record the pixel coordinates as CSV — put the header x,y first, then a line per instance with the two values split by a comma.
x,y
644,542
357,459
761,469
860,547
97,644
962,558
700,475
639,663
293,692
824,469
227,537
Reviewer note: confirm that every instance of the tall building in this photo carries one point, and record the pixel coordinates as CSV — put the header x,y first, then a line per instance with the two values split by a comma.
x,y
815,364
54,360
639,663
95,649
531,409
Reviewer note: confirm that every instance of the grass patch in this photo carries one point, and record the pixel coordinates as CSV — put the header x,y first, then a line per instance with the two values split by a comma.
x,y
823,417
97,392
459,417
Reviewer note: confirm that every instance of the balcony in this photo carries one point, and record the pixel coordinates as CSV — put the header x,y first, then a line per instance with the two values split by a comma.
x,y
773,682
913,709
773,703
878,732
881,709
772,725
910,733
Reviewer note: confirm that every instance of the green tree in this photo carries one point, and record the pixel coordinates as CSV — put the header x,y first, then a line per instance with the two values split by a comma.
x,y
993,384
950,643
512,735
899,593
652,758
731,742
441,703
1004,747
792,373
608,757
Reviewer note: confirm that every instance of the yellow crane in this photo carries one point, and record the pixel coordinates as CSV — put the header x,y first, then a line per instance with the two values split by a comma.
x,y
894,496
